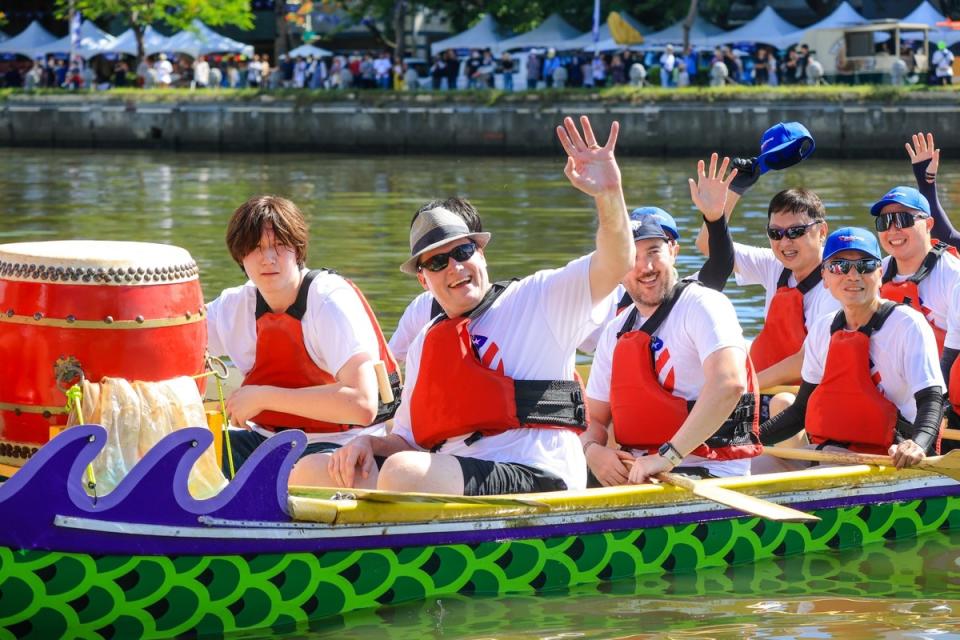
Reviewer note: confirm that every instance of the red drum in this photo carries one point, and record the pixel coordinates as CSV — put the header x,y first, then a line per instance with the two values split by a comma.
x,y
131,310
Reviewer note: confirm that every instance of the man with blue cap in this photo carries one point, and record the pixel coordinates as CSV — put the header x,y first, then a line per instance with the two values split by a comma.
x,y
789,270
871,379
670,376
919,271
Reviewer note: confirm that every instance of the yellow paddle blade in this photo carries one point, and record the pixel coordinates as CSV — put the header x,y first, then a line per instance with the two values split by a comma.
x,y
622,31
736,500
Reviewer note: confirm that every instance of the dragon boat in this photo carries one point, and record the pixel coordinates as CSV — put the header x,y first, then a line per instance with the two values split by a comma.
x,y
150,560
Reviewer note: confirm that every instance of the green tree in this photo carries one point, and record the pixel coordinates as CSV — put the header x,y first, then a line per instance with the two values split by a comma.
x,y
176,14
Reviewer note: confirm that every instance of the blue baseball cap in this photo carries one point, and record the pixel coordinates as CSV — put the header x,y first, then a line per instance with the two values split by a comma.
x,y
784,145
851,238
664,219
907,196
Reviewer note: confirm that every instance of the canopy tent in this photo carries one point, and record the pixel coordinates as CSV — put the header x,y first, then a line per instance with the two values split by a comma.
x,y
554,32
700,32
28,41
201,40
483,35
153,42
843,16
3,36
92,41
767,28
925,13
605,40
307,50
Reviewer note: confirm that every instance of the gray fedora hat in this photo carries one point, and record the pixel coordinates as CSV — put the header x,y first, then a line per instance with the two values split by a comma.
x,y
435,228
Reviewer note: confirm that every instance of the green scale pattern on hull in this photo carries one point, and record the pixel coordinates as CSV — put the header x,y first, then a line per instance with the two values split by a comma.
x,y
49,594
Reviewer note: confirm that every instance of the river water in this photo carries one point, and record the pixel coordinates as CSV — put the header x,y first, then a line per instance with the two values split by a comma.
x,y
359,208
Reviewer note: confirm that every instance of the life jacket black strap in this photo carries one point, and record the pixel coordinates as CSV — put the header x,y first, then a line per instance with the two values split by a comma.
x,y
926,267
656,319
873,325
803,286
624,303
386,411
495,291
435,308
737,430
299,307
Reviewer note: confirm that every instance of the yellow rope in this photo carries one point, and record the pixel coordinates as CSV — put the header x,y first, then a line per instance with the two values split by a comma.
x,y
75,401
224,426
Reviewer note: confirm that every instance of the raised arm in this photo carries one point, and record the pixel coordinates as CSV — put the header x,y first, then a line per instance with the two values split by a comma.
x,y
710,193
748,172
593,170
925,158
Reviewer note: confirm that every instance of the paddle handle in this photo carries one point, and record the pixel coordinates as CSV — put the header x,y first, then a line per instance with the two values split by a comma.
x,y
383,382
677,480
828,456
951,434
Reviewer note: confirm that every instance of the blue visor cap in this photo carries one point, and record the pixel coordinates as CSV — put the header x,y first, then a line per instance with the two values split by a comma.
x,y
907,196
666,221
851,239
784,145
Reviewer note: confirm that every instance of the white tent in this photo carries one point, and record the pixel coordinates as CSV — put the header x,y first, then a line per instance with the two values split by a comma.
x,y
700,32
93,41
605,41
153,42
27,41
3,36
767,28
202,40
307,50
925,13
553,32
483,35
843,16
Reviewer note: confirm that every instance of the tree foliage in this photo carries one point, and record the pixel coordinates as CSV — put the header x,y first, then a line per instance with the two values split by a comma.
x,y
177,14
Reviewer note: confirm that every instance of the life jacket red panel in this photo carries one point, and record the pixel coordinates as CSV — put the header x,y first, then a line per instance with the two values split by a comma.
x,y
282,360
847,407
908,291
456,394
954,386
645,415
784,328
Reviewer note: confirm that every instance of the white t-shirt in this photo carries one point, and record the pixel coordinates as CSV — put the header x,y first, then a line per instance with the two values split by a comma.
x,y
756,265
418,314
529,333
942,59
952,340
936,289
702,322
335,328
903,353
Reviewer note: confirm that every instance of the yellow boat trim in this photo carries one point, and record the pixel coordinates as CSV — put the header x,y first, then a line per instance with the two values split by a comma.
x,y
32,408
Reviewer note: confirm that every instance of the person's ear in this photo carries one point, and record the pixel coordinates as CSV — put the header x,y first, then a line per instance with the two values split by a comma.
x,y
423,280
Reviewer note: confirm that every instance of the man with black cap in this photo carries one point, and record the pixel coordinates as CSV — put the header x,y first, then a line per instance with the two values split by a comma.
x,y
491,404
871,379
671,373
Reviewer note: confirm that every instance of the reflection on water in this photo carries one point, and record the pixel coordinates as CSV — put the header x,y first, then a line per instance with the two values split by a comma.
x,y
360,207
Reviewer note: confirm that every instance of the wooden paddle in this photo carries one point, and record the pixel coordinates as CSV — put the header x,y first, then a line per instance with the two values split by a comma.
x,y
399,497
948,465
735,499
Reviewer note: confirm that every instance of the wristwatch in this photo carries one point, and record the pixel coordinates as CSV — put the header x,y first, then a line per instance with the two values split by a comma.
x,y
669,453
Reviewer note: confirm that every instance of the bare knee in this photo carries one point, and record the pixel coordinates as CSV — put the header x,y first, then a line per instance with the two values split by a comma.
x,y
781,402
312,471
405,471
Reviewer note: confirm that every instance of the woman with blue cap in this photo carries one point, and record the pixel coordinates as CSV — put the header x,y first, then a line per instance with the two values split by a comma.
x,y
871,379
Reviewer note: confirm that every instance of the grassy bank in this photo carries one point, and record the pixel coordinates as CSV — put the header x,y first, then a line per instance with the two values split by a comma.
x,y
614,95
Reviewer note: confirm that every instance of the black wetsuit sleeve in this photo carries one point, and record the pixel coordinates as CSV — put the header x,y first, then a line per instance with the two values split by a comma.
x,y
790,421
946,363
942,227
718,267
926,427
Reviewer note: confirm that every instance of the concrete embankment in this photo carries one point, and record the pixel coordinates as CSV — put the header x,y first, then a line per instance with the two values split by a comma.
x,y
860,130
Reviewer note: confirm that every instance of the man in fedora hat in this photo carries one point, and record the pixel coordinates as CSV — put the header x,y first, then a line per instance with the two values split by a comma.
x,y
492,404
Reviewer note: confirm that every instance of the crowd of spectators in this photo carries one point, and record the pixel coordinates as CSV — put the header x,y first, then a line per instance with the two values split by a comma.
x,y
480,69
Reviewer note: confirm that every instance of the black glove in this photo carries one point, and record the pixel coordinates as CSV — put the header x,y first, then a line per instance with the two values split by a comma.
x,y
748,172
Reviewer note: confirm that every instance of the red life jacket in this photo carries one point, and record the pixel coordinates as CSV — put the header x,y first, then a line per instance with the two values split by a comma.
x,y
282,360
784,329
456,394
846,408
908,291
645,415
954,386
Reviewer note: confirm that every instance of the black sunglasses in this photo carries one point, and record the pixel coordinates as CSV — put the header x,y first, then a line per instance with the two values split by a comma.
x,y
902,219
439,262
776,233
842,266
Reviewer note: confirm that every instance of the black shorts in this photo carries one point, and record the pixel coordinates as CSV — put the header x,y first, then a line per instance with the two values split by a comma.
x,y
243,443
485,478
